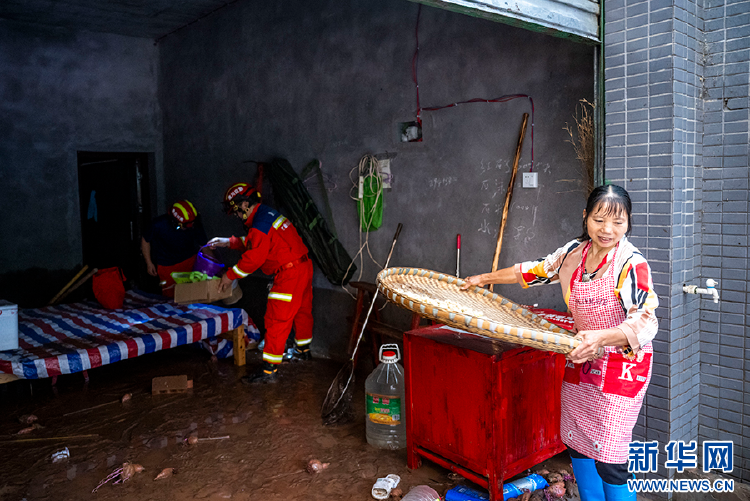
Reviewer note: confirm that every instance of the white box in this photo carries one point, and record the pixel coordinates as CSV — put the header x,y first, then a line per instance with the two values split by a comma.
x,y
530,180
8,325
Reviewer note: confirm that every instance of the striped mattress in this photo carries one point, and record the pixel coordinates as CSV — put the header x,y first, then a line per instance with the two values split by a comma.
x,y
65,339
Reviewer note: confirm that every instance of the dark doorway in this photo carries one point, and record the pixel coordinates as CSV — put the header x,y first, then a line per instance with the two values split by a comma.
x,y
115,196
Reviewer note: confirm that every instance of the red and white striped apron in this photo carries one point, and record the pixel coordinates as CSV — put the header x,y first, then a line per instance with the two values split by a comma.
x,y
601,399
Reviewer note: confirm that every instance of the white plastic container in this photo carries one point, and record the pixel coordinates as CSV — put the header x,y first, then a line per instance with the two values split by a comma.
x,y
384,401
8,326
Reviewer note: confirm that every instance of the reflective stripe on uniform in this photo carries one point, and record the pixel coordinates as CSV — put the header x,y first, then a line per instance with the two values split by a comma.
x,y
243,241
280,296
303,342
239,272
279,221
272,359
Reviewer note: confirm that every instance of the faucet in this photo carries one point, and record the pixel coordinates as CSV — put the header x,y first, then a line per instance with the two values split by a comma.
x,y
710,289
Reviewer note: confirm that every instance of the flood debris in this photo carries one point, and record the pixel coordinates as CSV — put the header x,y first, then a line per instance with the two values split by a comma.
x,y
559,484
125,473
315,466
91,408
28,419
556,490
193,439
61,455
163,385
166,473
27,430
384,486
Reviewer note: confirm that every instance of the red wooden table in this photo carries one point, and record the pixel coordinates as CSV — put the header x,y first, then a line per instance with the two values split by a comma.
x,y
482,408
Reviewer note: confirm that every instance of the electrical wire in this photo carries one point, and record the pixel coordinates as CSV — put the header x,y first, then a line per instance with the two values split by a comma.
x,y
368,167
501,99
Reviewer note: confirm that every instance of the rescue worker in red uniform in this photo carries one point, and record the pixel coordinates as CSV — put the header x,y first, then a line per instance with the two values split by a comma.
x,y
174,239
272,245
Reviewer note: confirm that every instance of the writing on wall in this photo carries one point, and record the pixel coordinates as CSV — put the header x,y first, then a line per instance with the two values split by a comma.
x,y
493,186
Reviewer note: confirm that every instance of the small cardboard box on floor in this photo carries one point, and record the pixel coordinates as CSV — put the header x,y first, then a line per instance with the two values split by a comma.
x,y
206,291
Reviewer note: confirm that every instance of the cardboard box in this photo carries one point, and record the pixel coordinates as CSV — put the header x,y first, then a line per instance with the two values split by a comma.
x,y
170,384
206,291
8,325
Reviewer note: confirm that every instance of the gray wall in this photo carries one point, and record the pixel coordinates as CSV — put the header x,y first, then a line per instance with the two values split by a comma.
x,y
725,335
61,92
332,80
677,138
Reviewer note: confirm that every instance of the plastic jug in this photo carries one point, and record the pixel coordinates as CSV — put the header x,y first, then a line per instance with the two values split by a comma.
x,y
384,400
422,493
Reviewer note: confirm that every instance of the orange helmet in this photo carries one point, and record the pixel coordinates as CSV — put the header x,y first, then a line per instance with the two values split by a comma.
x,y
238,193
184,212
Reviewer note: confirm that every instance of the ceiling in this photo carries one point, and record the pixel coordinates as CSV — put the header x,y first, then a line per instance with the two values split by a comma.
x,y
136,18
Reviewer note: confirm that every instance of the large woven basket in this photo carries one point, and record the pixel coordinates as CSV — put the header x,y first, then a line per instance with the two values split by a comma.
x,y
438,296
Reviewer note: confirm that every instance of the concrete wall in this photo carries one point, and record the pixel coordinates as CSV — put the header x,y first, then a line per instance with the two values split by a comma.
x,y
332,80
62,92
677,77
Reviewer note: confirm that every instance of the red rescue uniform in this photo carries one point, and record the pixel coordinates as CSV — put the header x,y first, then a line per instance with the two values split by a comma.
x,y
274,246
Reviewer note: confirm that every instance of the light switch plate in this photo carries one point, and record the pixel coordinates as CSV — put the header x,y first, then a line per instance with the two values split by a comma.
x,y
530,180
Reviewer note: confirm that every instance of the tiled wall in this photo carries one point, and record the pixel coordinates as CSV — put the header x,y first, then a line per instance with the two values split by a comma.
x,y
725,344
676,83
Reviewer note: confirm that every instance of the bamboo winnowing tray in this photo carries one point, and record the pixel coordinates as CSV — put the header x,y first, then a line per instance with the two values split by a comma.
x,y
438,296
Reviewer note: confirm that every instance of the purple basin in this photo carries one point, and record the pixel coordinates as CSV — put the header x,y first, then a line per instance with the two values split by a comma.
x,y
208,265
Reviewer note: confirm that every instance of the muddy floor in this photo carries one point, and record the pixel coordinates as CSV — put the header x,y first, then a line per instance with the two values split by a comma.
x,y
273,431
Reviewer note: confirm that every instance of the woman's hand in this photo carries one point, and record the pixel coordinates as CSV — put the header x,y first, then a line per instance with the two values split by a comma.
x,y
218,242
591,347
471,281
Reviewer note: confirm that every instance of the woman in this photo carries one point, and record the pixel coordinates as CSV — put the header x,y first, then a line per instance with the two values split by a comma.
x,y
608,288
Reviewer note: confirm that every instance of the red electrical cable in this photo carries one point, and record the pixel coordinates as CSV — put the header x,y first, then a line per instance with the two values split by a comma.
x,y
414,64
501,99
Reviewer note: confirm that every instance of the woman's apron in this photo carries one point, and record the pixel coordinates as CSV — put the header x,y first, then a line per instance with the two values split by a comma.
x,y
601,399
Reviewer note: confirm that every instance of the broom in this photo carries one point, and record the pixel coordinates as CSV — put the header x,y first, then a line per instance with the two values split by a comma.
x,y
336,404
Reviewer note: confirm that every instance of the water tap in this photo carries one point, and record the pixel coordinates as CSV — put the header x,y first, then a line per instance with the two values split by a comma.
x,y
710,289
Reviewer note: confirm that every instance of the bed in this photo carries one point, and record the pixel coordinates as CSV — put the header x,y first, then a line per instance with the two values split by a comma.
x,y
70,338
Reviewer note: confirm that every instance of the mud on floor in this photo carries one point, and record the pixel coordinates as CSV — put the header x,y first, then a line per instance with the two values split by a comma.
x,y
273,430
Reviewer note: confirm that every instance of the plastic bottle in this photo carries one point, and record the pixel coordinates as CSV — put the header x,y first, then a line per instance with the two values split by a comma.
x,y
384,396
422,493
517,487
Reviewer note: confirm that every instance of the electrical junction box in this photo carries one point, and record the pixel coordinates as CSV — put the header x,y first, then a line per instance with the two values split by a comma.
x,y
530,180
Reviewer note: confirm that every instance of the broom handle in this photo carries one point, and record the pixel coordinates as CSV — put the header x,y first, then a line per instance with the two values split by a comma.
x,y
78,284
72,281
509,195
375,296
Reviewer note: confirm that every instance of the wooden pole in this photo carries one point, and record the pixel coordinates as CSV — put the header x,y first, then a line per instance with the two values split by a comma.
x,y
509,195
72,281
46,439
78,284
